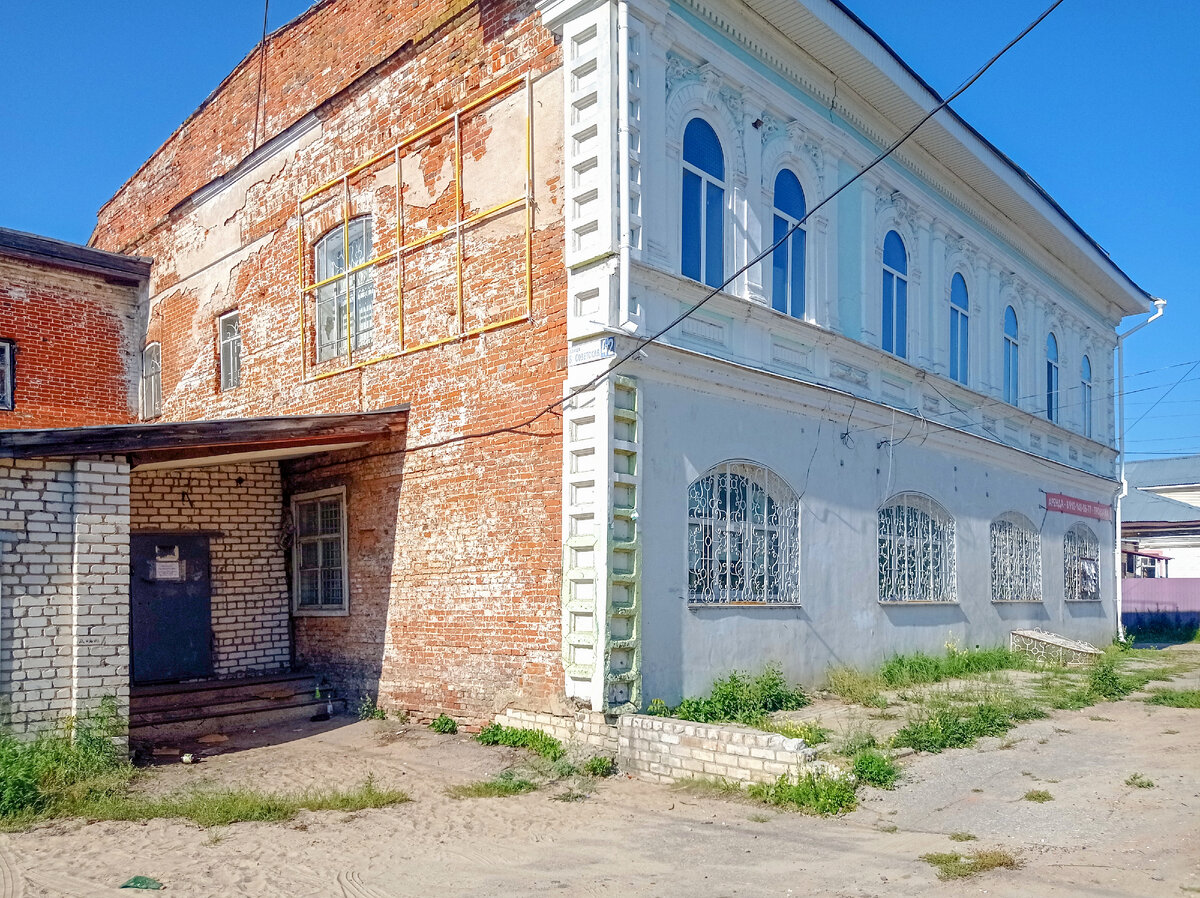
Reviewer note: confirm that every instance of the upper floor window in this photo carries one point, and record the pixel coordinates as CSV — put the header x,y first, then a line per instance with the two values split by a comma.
x,y
229,336
152,381
319,552
702,257
1051,377
1085,397
345,292
895,295
959,332
743,536
1012,367
916,551
787,265
1016,559
1081,564
8,375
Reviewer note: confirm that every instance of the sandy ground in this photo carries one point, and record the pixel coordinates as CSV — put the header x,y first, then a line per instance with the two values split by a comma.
x,y
1098,837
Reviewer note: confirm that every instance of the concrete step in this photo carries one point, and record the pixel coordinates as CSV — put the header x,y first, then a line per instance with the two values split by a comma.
x,y
145,699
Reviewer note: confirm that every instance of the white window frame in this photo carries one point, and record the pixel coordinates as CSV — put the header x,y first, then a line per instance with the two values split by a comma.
x,y
1081,547
230,350
1016,549
1085,388
343,609
912,525
152,380
350,291
8,374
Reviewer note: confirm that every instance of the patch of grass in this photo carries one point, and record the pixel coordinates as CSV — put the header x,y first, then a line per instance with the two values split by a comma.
x,y
856,741
1175,698
368,710
503,785
888,828
812,793
536,741
1040,796
599,766
856,687
1097,717
920,668
444,724
952,865
710,787
810,731
569,795
1105,681
876,769
957,726
1139,782
963,837
741,698
759,818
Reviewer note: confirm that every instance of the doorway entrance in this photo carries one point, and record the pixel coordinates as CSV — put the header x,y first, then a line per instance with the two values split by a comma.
x,y
170,607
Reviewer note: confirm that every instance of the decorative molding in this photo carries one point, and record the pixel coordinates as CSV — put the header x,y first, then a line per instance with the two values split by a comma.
x,y
847,372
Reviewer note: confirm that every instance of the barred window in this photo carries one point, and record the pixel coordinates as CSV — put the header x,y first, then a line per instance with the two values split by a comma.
x,y
1016,559
916,551
152,381
743,537
1081,564
8,370
321,584
345,305
229,330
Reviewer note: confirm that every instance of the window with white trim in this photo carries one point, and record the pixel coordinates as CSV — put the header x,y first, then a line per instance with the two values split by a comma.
x,y
1081,564
1051,377
895,295
916,551
8,375
152,381
959,329
346,304
743,537
702,250
1016,559
321,582
229,336
1012,358
787,262
1085,394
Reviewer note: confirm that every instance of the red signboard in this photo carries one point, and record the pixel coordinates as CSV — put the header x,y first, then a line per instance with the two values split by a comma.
x,y
1079,507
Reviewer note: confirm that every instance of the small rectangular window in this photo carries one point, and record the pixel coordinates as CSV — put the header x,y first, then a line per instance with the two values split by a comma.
x,y
229,331
321,584
152,381
8,375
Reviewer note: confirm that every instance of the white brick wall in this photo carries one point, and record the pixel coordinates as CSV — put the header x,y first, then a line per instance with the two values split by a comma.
x,y
64,588
243,503
588,728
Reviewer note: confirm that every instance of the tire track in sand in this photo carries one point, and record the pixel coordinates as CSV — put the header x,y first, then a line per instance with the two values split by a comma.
x,y
12,884
353,886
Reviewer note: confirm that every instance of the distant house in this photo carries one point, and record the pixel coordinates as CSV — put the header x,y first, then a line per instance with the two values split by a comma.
x,y
1160,518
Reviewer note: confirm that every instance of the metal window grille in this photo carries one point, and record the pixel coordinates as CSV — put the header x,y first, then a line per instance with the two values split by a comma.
x,y
152,381
916,551
1081,564
320,537
1016,560
8,379
345,305
743,537
231,350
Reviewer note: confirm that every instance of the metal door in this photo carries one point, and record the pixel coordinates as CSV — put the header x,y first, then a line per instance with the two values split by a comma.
x,y
170,607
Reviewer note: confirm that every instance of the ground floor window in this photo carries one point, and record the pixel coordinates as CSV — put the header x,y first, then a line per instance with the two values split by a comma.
x,y
743,537
1081,564
1016,560
8,370
916,551
321,584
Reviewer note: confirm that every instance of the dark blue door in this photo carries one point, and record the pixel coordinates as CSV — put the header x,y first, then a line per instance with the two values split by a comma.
x,y
170,607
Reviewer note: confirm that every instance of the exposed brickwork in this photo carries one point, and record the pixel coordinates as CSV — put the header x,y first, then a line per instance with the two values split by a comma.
x,y
454,561
76,353
64,588
249,587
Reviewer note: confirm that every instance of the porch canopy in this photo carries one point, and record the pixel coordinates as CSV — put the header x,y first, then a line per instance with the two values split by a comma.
x,y
192,444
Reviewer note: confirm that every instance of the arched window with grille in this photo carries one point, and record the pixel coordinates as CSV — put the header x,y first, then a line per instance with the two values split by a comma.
x,y
895,295
959,329
1081,564
1012,358
152,380
1085,394
702,255
1016,559
916,551
787,262
743,537
1051,377
345,292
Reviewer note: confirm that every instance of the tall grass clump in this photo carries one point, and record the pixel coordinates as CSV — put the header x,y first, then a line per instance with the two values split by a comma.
x,y
958,726
1106,682
741,698
813,793
856,687
919,668
534,740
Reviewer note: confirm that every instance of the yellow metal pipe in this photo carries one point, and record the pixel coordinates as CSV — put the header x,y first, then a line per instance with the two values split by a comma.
x,y
528,194
449,229
346,263
378,260
459,215
399,258
300,273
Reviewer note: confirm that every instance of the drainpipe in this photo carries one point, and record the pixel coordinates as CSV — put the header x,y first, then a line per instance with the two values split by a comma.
x,y
1159,306
623,151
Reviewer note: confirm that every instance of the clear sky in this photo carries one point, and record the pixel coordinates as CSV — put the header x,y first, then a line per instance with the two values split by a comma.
x,y
1101,104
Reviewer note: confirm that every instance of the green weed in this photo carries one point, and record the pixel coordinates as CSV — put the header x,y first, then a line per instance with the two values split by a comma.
x,y
810,731
534,740
741,698
920,668
1139,782
1039,796
876,769
952,865
368,710
599,766
444,724
812,793
963,837
503,785
856,687
1106,682
1175,698
950,726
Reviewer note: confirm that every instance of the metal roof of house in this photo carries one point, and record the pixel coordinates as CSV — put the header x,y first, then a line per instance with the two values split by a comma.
x,y
1141,506
60,253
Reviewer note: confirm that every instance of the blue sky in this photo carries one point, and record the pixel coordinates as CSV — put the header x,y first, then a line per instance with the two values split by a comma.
x,y
1101,104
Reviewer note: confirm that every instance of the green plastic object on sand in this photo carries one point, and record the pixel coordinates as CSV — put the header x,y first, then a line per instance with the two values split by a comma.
x,y
142,882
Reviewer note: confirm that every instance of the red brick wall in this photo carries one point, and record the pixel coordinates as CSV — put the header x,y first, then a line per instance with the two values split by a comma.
x,y
454,539
75,348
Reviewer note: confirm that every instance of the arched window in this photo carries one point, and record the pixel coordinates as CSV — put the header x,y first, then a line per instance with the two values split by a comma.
x,y
152,380
1016,559
1085,397
345,305
1051,377
1081,564
743,536
916,551
1012,366
959,333
787,265
895,295
703,224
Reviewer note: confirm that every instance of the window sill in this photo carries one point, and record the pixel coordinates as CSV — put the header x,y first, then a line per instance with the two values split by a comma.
x,y
1084,601
917,602
692,605
1018,601
308,611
